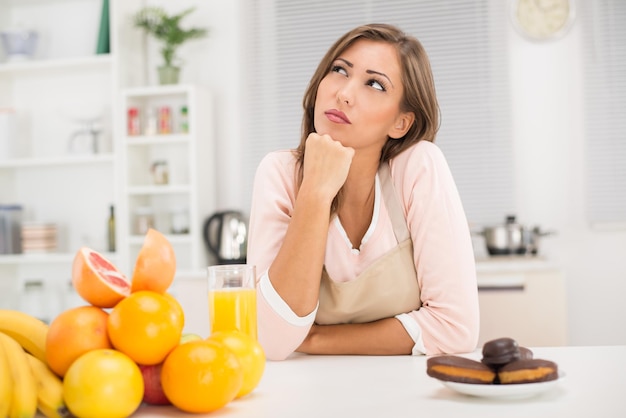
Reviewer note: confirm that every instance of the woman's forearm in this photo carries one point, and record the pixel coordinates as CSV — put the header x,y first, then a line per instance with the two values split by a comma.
x,y
383,337
297,269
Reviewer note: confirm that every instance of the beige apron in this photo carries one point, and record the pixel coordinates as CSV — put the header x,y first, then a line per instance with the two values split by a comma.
x,y
386,288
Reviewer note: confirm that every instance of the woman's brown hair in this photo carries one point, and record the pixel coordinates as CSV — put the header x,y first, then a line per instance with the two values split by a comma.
x,y
418,96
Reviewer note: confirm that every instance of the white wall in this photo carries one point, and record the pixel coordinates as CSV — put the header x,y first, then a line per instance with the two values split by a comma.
x,y
548,126
548,129
215,61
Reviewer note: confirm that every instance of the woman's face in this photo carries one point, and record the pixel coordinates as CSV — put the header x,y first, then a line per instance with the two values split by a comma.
x,y
358,101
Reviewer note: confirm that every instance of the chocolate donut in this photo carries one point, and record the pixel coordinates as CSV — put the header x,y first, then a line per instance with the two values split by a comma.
x,y
525,353
501,351
459,369
528,371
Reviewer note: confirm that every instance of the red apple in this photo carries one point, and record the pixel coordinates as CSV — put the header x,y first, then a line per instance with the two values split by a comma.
x,y
153,391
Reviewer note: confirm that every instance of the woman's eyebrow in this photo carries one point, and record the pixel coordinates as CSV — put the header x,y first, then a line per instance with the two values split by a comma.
x,y
349,64
380,74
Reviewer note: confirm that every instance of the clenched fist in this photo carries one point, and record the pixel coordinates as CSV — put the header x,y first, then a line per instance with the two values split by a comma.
x,y
326,164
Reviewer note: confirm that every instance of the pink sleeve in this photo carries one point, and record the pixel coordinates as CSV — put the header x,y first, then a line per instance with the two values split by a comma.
x,y
449,317
280,330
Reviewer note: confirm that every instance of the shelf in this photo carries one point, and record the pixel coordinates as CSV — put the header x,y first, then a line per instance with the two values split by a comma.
x,y
43,258
77,63
172,238
150,91
56,161
159,190
157,139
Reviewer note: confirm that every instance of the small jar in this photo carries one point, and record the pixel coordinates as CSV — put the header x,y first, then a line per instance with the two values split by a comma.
x,y
152,122
160,172
180,221
144,220
165,121
134,125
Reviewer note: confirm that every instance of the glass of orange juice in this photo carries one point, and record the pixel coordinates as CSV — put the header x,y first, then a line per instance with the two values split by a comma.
x,y
232,298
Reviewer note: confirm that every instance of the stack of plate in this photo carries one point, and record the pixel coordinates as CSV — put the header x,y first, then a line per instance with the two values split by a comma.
x,y
39,237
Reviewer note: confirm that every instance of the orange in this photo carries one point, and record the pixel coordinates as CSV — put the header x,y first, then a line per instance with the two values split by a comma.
x,y
201,376
156,264
97,280
146,326
250,355
75,332
102,384
177,306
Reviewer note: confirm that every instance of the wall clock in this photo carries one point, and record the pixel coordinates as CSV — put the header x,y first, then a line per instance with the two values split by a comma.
x,y
542,20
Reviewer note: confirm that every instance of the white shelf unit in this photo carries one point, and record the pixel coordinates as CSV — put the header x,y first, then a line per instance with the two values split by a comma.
x,y
66,81
191,172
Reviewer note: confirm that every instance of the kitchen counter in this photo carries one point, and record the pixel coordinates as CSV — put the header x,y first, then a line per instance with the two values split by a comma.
x,y
362,386
513,264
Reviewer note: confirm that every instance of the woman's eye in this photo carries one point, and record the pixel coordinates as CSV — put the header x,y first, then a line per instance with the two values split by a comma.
x,y
339,69
377,85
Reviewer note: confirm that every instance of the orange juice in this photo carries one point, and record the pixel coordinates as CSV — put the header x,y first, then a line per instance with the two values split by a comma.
x,y
231,308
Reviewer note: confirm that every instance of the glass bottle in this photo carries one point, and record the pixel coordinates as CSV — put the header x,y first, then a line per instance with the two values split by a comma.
x,y
184,120
111,229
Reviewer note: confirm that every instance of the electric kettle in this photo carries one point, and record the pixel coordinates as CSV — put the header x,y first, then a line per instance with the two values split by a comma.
x,y
226,236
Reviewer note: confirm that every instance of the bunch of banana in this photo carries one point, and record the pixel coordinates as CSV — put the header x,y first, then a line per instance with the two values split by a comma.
x,y
26,382
27,330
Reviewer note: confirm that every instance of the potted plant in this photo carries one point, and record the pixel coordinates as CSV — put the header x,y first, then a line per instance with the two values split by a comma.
x,y
165,28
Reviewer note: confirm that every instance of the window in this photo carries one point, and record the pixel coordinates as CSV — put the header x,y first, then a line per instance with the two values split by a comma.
x,y
604,35
466,42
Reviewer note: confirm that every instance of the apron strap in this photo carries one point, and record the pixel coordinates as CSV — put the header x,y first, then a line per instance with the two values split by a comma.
x,y
400,229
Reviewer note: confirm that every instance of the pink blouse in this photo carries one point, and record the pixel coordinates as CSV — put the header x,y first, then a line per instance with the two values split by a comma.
x,y
448,319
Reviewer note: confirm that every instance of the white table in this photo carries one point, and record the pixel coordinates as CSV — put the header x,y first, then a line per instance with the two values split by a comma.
x,y
396,387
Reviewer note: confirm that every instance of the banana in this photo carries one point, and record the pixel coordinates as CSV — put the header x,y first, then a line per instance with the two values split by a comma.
x,y
24,401
6,383
49,389
27,330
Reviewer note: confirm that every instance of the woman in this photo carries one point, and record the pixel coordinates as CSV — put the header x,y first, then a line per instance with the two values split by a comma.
x,y
359,235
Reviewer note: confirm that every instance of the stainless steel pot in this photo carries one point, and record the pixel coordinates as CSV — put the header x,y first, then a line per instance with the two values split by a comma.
x,y
512,238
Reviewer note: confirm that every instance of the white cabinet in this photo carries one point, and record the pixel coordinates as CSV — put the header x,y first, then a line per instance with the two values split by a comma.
x,y
167,177
57,179
525,301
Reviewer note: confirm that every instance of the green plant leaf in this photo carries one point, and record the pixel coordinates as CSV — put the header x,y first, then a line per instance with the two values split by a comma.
x,y
165,28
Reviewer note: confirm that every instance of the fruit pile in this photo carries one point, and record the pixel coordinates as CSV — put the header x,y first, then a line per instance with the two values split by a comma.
x,y
124,347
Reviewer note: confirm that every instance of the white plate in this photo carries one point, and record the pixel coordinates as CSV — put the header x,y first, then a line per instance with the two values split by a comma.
x,y
522,390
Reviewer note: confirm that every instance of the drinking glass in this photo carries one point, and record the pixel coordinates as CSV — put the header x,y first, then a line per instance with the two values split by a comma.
x,y
232,298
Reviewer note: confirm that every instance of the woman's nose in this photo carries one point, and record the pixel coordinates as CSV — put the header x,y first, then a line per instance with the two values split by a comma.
x,y
345,95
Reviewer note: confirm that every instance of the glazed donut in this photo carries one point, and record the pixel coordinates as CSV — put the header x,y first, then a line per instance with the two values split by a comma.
x,y
459,369
528,371
501,351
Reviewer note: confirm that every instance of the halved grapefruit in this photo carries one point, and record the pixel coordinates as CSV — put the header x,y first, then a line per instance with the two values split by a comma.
x,y
97,280
156,264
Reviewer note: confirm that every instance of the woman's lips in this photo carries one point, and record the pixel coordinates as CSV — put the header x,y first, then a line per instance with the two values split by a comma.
x,y
337,116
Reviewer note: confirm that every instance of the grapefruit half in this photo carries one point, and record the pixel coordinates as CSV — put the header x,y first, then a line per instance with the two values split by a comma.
x,y
156,264
97,280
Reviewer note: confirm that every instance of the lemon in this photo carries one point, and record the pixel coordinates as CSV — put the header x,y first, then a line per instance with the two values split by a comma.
x,y
103,383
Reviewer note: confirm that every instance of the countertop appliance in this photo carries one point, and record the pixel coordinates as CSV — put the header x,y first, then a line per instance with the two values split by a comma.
x,y
512,238
226,236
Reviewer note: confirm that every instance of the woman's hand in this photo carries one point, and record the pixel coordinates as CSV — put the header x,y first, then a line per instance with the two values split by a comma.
x,y
326,164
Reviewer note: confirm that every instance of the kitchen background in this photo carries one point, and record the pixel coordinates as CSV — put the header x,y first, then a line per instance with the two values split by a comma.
x,y
570,293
